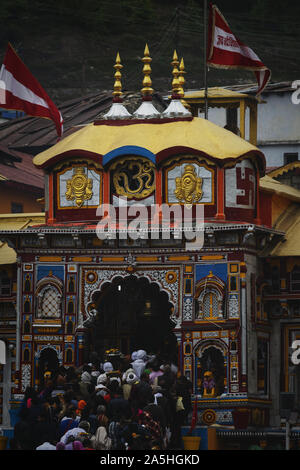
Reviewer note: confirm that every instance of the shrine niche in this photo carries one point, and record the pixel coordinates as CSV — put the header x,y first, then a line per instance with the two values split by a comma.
x,y
188,182
210,365
79,186
49,294
210,295
133,179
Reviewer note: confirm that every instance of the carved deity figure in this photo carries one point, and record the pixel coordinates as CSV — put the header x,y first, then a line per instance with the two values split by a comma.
x,y
189,186
209,384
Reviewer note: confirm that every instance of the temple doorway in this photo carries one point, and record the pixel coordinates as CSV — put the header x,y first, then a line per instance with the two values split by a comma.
x,y
48,365
132,313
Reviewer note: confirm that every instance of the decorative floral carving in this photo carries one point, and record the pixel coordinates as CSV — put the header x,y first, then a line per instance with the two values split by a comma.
x,y
26,376
187,312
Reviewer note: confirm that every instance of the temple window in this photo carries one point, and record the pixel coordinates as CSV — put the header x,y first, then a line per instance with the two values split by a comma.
x,y
69,327
50,303
27,327
71,284
69,356
295,278
26,355
49,298
275,278
70,308
210,292
27,283
79,186
27,305
5,284
187,182
210,305
262,366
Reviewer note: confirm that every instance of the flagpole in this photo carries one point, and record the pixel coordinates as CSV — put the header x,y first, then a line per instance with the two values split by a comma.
x,y
204,60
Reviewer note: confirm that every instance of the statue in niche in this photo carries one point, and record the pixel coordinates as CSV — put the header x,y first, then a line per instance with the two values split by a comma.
x,y
211,372
209,384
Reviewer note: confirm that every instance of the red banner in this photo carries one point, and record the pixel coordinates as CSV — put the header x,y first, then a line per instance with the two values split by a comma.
x,y
21,91
226,51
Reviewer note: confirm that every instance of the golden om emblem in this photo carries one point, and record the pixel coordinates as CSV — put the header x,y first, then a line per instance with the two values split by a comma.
x,y
135,179
189,186
79,187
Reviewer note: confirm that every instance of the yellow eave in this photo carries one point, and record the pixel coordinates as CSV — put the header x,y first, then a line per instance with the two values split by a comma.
x,y
289,222
269,184
16,222
284,169
217,92
199,134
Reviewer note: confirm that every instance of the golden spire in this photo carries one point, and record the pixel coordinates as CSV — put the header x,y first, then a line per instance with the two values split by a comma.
x,y
175,73
117,93
117,110
177,106
181,79
147,82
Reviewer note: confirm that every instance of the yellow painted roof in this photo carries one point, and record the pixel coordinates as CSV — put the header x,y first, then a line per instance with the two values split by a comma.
x,y
16,222
198,134
269,184
284,169
216,92
288,222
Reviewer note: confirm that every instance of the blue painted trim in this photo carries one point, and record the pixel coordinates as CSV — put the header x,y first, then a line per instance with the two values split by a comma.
x,y
128,150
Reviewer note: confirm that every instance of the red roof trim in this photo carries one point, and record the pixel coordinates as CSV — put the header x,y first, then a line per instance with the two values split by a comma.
x,y
78,153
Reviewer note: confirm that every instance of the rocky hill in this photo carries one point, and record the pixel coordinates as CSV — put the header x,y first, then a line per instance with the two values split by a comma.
x,y
71,45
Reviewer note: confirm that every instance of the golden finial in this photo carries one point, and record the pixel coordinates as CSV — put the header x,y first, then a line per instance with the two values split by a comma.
x,y
147,90
118,85
181,79
175,73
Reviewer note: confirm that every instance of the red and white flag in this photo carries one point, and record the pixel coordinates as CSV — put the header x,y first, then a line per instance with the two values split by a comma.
x,y
21,91
226,51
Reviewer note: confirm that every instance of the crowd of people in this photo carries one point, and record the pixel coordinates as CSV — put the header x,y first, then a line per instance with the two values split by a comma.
x,y
141,405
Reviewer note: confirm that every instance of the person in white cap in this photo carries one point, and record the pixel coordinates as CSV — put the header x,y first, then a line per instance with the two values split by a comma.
x,y
108,367
139,364
46,446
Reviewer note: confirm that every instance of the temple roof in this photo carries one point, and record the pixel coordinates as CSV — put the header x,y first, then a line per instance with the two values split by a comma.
x,y
217,92
289,222
16,222
153,138
271,185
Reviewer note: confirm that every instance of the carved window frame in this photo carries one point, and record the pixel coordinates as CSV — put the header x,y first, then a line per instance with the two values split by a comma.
x,y
46,284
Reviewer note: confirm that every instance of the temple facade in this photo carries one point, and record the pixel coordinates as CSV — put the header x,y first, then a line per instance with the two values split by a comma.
x,y
204,303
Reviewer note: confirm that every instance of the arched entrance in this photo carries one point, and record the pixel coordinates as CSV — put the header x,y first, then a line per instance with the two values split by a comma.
x,y
132,313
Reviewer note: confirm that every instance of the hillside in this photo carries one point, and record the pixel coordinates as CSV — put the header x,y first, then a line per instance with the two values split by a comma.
x,y
70,45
